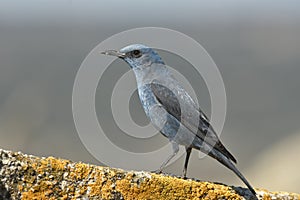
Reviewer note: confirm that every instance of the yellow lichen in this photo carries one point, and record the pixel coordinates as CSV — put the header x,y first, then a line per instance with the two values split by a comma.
x,y
51,178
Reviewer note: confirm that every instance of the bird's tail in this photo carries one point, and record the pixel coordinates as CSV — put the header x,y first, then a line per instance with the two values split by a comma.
x,y
225,161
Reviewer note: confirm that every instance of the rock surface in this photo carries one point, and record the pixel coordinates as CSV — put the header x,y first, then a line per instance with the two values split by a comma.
x,y
29,177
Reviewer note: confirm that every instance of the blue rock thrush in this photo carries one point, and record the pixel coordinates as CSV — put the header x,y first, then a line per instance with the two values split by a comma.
x,y
171,109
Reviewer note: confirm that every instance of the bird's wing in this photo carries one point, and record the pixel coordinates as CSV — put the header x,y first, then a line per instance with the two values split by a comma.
x,y
171,101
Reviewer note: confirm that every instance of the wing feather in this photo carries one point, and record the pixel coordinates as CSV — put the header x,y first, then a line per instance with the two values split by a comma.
x,y
170,101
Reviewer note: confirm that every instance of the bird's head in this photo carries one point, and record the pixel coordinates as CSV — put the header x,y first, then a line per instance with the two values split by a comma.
x,y
136,55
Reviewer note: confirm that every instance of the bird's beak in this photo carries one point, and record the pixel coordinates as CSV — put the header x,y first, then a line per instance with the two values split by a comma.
x,y
114,53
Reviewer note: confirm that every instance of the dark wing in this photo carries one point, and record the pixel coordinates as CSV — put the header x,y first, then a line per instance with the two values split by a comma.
x,y
205,132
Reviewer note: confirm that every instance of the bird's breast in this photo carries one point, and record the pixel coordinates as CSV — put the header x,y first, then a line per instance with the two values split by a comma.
x,y
147,97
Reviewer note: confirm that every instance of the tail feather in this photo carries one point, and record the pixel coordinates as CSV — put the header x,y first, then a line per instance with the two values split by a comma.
x,y
225,161
225,152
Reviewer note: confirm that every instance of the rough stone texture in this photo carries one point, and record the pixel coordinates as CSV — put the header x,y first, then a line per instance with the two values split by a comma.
x,y
29,177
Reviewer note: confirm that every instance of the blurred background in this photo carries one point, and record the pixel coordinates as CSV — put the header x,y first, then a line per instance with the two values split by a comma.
x,y
255,44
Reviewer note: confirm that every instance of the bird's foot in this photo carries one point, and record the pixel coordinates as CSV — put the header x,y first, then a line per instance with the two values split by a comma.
x,y
183,176
158,171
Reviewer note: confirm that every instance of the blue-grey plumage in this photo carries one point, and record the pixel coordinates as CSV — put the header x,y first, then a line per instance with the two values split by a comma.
x,y
171,109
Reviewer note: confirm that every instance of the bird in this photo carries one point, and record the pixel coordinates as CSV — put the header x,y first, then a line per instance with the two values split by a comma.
x,y
172,110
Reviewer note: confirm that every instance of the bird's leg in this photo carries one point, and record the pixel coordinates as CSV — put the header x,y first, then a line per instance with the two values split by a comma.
x,y
186,162
175,148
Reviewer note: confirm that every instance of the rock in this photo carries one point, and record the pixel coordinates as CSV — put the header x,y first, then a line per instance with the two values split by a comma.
x,y
28,177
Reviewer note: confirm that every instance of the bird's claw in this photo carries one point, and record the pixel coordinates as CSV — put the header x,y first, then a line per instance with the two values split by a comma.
x,y
158,171
183,176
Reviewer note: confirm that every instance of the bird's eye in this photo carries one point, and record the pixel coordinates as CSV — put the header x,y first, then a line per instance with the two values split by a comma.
x,y
136,53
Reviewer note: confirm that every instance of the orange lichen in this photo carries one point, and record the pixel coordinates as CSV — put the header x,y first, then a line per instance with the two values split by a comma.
x,y
51,178
158,187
